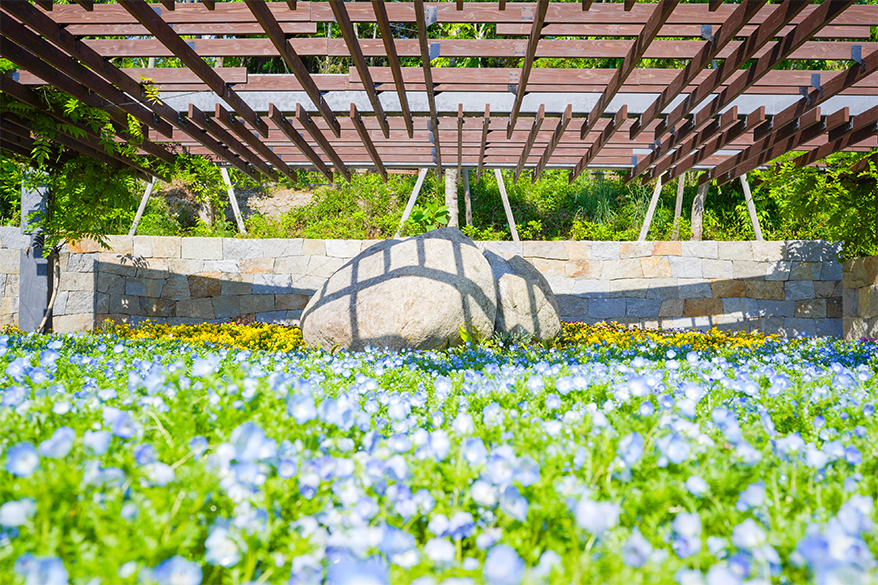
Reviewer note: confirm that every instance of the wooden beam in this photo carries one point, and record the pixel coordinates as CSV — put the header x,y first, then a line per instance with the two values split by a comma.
x,y
367,141
347,30
529,56
484,142
201,120
586,4
635,54
169,4
421,18
629,4
311,128
140,10
714,5
531,138
553,143
293,135
269,23
88,5
841,138
236,126
459,138
393,62
45,4
209,4
614,126
711,48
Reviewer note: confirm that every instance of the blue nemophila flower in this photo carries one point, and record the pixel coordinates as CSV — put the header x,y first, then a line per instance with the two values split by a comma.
x,y
636,550
157,474
59,444
696,485
17,512
514,504
687,526
440,550
346,569
752,497
222,549
596,517
22,459
41,570
206,365
198,445
97,441
503,566
484,493
177,571
630,449
399,547
144,453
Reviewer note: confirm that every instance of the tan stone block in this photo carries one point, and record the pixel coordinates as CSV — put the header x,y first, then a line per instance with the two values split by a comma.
x,y
584,269
699,249
85,247
656,266
10,261
550,267
323,266
578,250
201,248
724,289
667,249
290,302
73,323
834,308
868,302
196,309
292,265
749,269
342,248
8,305
636,249
365,244
185,266
143,246
616,269
118,264
735,251
765,289
811,309
71,281
12,281
769,251
256,304
671,308
721,269
702,307
257,265
166,246
205,284
121,244
548,250
313,248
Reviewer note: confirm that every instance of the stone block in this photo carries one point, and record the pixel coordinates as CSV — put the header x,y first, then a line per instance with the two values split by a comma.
x,y
702,307
121,244
9,305
73,323
635,288
591,288
607,309
778,270
257,265
584,269
799,290
324,266
60,307
747,269
854,273
606,250
290,302
867,303
556,268
685,267
144,287
79,302
834,308
635,249
166,247
202,248
346,249
10,261
205,285
292,265
765,289
157,307
689,288
503,249
101,303
643,308
667,249
671,308
811,309
292,318
153,268
239,248
272,317
2,282
741,308
125,305
366,244
735,251
828,327
226,307
723,289
196,309
84,247
118,264
313,248
850,302
655,267
272,284
142,246
831,271
619,269
805,271
77,281
256,303
12,238
560,285
237,284
224,266
12,282
795,327
547,250
80,263
717,269
812,250
306,285
185,266
706,250
176,287
578,250
770,325
280,247
663,289
769,308
573,307
766,251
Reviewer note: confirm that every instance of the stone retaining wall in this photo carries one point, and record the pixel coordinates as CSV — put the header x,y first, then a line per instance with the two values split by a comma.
x,y
791,287
861,298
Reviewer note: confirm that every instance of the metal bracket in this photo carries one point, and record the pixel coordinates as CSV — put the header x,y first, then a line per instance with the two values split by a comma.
x,y
806,93
707,32
857,56
527,14
14,76
815,83
191,45
158,10
434,51
171,25
430,15
520,49
513,88
634,161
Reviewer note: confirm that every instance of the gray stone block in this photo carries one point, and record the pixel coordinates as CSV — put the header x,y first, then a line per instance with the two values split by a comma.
x,y
735,251
813,250
749,270
256,304
12,238
125,305
693,289
560,285
832,271
292,265
154,268
176,288
102,303
272,317
574,307
606,250
237,284
60,307
778,270
591,288
346,249
200,309
226,266
699,249
270,284
671,308
776,308
607,309
226,307
238,249
716,269
502,249
746,308
850,301
10,260
277,248
144,287
157,307
685,267
306,285
799,290
80,302
795,327
110,283
643,308
81,263
663,289
202,248
768,251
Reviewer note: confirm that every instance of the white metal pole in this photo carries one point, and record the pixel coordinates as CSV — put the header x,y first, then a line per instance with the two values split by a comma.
x,y
411,203
678,206
751,209
649,212
149,187
233,200
506,206
467,201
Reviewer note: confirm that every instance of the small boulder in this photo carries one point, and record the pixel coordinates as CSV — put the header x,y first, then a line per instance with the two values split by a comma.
x,y
412,293
525,301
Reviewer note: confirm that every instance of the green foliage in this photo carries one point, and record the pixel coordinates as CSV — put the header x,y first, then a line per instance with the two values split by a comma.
x,y
200,177
10,192
430,216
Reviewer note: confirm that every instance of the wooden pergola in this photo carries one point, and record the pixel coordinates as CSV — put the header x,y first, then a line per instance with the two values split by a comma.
x,y
734,107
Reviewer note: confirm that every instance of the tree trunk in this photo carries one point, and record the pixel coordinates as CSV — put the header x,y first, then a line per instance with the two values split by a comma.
x,y
55,261
698,211
678,207
451,179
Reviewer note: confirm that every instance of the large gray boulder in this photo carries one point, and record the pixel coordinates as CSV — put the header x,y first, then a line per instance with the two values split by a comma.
x,y
410,293
525,301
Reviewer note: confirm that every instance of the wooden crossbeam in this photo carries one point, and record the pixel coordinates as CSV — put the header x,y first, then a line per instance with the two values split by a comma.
x,y
87,4
209,4
367,141
486,122
140,10
393,61
225,117
529,143
311,128
863,164
347,30
711,48
553,143
635,54
293,135
202,120
614,126
459,138
421,18
529,56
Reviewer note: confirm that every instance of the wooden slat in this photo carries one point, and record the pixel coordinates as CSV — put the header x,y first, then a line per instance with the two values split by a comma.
x,y
225,117
554,142
201,120
421,18
615,124
367,141
201,28
529,143
484,141
293,135
529,55
669,30
305,120
393,61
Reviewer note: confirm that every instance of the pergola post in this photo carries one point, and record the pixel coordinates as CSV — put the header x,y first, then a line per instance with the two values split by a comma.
x,y
467,201
649,212
412,198
233,200
451,202
678,206
751,209
142,207
698,210
506,207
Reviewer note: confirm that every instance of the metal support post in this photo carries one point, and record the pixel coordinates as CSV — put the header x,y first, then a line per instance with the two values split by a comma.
x,y
649,212
411,203
506,206
467,202
678,207
146,194
233,200
751,209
